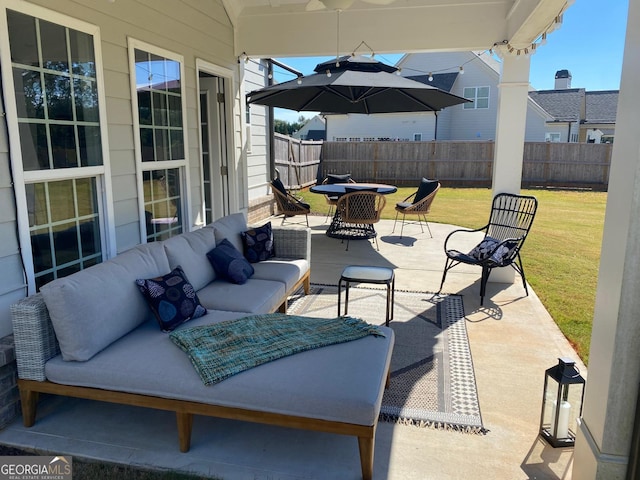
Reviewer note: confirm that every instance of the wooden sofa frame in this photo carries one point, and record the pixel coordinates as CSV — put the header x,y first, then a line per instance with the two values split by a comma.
x,y
30,391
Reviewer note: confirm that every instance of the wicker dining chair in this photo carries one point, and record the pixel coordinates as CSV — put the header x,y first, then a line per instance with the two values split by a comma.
x,y
417,204
332,200
288,205
361,210
509,224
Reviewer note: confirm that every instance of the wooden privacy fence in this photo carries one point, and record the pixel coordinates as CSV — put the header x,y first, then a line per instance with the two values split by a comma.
x,y
297,161
451,162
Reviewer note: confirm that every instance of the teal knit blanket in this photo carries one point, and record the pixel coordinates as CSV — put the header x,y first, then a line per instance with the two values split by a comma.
x,y
223,349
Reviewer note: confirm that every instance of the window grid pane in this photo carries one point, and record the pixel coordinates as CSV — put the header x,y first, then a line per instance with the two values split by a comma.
x,y
64,224
62,60
162,203
158,85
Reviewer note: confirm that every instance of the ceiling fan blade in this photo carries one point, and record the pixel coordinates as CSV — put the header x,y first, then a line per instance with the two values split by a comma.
x,y
379,2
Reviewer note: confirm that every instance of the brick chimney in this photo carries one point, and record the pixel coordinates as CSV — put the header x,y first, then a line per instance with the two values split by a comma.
x,y
563,79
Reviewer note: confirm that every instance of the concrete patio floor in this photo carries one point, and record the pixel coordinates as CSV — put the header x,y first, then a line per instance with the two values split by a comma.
x,y
513,341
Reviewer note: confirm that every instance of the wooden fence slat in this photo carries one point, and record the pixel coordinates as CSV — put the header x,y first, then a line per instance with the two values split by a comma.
x,y
302,163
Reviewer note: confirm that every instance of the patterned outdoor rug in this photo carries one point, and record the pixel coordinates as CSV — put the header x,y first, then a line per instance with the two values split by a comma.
x,y
432,378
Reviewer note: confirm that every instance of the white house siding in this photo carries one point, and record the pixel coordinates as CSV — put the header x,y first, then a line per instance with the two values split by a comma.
x,y
561,128
190,28
13,284
536,125
395,126
258,175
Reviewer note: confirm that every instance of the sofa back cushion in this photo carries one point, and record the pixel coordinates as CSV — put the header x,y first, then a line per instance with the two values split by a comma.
x,y
189,251
230,227
94,307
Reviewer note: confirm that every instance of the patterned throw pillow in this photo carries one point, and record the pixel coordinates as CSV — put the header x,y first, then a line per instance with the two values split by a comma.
x,y
171,298
229,263
258,243
485,248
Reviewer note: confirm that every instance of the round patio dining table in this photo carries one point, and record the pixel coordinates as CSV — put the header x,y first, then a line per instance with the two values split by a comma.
x,y
339,228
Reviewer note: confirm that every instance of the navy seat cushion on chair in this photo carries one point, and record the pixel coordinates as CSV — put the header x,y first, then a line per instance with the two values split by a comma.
x,y
403,205
338,178
277,184
426,188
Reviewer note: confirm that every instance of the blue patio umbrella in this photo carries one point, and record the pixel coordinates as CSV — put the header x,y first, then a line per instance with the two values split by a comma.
x,y
354,84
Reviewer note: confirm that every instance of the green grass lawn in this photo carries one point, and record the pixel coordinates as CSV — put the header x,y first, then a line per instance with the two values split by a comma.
x,y
561,255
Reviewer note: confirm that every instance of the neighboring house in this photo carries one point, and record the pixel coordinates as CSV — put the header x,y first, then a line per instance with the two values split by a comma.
x,y
600,122
563,114
313,129
471,121
578,115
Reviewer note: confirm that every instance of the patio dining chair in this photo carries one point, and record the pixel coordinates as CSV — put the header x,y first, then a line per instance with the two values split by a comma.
x,y
361,210
509,224
417,204
332,200
288,205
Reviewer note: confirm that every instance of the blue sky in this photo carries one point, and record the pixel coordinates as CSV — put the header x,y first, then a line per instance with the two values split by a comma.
x,y
589,44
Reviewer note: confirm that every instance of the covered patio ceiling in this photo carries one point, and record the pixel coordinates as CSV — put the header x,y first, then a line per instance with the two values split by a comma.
x,y
280,28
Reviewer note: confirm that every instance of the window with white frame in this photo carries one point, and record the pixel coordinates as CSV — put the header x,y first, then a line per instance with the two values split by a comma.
x,y
417,137
58,146
159,112
479,97
552,136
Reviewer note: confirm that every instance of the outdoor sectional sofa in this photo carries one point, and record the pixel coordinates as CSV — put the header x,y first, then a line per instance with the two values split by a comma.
x,y
91,335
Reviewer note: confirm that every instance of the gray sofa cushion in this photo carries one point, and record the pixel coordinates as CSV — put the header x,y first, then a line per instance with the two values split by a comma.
x,y
189,251
254,296
285,271
94,307
343,382
230,227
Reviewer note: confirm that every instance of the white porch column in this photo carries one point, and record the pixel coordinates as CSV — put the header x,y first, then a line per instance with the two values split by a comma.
x,y
513,93
604,435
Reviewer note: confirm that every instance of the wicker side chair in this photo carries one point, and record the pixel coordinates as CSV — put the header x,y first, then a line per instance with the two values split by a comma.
x,y
360,210
509,224
288,205
332,200
417,204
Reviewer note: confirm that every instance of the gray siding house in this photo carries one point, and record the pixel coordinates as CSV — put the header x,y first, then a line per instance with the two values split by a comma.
x,y
124,123
477,80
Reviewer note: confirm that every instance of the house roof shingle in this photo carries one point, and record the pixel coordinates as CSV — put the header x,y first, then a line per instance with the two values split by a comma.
x,y
602,106
443,81
564,105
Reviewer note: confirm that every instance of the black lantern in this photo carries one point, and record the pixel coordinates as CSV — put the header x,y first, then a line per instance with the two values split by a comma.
x,y
561,403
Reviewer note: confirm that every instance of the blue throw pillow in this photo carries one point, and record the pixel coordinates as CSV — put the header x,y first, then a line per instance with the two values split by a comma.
x,y
258,243
171,298
229,263
426,188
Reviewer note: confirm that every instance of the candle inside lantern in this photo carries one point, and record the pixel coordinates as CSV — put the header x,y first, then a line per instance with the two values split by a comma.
x,y
563,419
